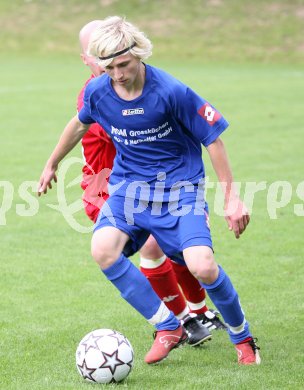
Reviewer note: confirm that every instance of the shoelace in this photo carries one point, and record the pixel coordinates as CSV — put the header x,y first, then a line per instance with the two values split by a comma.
x,y
191,324
215,320
253,344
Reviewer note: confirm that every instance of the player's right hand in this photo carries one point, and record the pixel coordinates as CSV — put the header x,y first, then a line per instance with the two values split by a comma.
x,y
45,180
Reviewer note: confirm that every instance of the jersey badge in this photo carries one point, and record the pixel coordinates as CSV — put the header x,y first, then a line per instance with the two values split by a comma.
x,y
210,115
133,111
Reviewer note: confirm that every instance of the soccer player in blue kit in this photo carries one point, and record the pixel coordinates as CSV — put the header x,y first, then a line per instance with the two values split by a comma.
x,y
157,185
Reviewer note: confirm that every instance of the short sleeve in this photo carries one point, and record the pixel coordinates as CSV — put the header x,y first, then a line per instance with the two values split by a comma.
x,y
197,115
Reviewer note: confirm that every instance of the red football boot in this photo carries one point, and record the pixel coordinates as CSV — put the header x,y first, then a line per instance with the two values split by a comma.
x,y
164,342
248,352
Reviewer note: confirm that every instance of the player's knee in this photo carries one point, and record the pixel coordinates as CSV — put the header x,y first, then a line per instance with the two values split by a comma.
x,y
205,269
151,250
107,245
103,253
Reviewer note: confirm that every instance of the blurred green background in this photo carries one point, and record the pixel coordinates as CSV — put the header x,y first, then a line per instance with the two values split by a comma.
x,y
203,30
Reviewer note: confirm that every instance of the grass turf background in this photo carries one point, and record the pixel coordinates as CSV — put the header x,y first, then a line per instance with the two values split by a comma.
x,y
51,291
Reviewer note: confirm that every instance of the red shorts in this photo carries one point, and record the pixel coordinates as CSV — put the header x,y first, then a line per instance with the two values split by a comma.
x,y
95,193
91,210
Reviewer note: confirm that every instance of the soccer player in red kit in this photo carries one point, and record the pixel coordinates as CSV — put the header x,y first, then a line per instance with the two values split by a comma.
x,y
187,301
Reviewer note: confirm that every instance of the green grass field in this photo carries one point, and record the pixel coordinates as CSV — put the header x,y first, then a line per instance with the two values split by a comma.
x,y
52,293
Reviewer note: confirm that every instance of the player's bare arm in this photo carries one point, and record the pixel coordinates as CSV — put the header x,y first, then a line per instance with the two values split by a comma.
x,y
236,213
71,135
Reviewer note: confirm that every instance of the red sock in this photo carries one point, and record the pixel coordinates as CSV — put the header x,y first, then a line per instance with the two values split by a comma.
x,y
192,290
164,283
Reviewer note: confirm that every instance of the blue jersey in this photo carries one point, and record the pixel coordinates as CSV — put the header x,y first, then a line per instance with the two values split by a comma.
x,y
158,135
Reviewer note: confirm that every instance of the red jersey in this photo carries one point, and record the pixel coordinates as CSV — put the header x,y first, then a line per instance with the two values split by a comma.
x,y
98,153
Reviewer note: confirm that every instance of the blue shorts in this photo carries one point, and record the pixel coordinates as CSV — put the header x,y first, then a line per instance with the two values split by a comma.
x,y
173,228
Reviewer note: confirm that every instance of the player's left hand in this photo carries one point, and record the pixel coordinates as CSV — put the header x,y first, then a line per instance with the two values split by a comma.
x,y
237,216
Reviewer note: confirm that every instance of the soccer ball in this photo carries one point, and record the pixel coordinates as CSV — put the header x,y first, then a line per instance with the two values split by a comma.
x,y
104,356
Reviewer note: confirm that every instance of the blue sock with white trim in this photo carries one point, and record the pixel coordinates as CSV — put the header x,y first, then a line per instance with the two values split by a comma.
x,y
137,291
225,298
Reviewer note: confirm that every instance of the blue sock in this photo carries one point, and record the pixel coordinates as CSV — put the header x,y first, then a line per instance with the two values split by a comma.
x,y
225,298
135,288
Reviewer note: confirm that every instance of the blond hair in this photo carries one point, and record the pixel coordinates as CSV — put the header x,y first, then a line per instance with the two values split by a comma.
x,y
114,34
